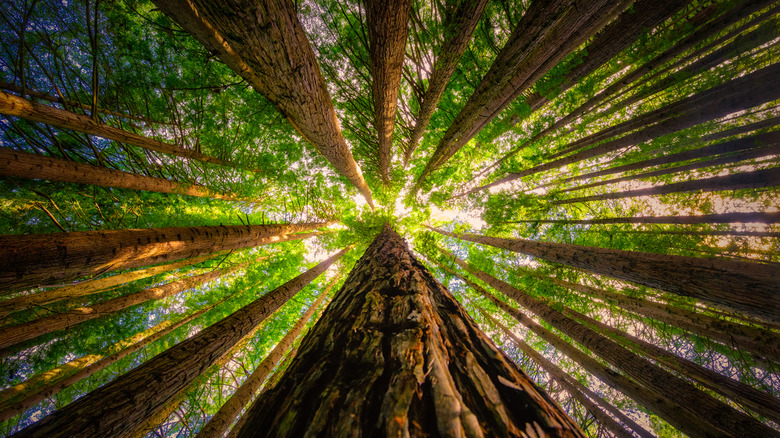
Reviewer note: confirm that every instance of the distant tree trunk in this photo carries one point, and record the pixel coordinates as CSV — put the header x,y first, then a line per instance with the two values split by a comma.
x,y
735,181
395,355
697,406
388,28
93,286
27,261
13,335
459,26
16,106
746,287
121,406
34,166
23,396
589,399
267,46
702,233
220,423
757,217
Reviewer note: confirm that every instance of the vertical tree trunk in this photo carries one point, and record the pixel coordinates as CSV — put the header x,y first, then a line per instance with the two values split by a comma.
x,y
266,45
34,166
387,32
747,287
395,355
126,403
27,261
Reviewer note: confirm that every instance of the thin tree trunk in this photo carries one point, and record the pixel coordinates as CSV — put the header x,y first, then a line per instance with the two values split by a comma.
x,y
395,355
703,233
267,46
589,399
34,166
220,423
697,406
752,217
13,335
387,32
459,26
27,261
92,286
16,106
735,181
121,406
747,287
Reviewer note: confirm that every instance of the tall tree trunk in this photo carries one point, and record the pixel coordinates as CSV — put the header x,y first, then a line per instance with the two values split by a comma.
x,y
735,181
39,259
459,26
752,217
698,406
220,423
121,406
13,335
395,355
589,399
34,166
16,106
388,28
93,286
746,287
267,46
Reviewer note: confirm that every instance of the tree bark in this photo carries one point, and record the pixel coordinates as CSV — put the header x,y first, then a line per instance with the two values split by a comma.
x,y
710,413
19,164
39,259
747,287
753,217
460,25
121,406
395,355
16,106
266,45
387,32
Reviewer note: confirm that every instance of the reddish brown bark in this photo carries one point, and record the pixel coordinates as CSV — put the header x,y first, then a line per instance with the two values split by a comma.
x,y
39,259
755,217
266,45
123,405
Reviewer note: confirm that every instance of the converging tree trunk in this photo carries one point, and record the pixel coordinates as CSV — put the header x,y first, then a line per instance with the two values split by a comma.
x,y
723,218
123,405
395,355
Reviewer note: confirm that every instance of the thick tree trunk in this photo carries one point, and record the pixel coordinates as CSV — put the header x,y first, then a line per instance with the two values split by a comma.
x,y
34,166
387,32
699,407
13,335
267,46
16,106
220,423
747,287
395,355
459,26
92,286
735,181
27,261
121,406
723,218
589,399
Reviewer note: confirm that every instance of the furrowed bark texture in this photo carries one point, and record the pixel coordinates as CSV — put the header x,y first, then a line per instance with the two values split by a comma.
x,y
263,42
120,407
751,288
38,259
395,355
16,106
387,32
34,166
723,218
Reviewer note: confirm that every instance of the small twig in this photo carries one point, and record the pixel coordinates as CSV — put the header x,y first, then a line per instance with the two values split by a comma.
x,y
51,216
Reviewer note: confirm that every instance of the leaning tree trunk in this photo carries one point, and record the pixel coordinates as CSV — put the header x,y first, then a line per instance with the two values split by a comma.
x,y
267,46
747,287
395,355
126,403
387,31
723,218
27,261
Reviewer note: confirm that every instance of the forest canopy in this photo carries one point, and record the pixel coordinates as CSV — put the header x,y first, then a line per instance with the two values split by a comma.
x,y
569,170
